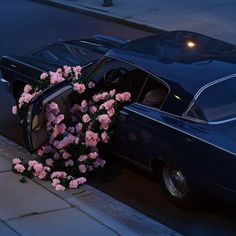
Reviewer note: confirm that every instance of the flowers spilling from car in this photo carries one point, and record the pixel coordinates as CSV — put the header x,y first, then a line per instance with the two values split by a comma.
x,y
72,149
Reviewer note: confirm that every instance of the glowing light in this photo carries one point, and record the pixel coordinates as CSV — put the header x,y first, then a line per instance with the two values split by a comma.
x,y
191,44
176,96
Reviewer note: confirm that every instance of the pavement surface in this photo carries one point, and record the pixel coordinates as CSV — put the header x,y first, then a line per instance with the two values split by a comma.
x,y
211,17
34,208
39,24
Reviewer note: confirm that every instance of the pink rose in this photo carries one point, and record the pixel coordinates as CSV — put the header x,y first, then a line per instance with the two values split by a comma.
x,y
92,109
59,187
79,127
111,112
66,155
93,155
82,168
40,152
104,121
91,138
86,118
58,174
81,180
38,167
49,162
69,163
55,182
91,84
43,76
19,168
67,70
80,88
27,88
14,110
16,161
73,184
112,92
104,137
82,158
42,174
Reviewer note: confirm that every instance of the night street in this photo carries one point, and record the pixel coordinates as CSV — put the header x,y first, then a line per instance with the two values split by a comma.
x,y
27,25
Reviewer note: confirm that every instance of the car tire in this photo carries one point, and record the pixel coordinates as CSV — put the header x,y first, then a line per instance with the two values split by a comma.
x,y
178,188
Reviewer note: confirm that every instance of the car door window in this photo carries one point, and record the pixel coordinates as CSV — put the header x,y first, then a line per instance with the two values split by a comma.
x,y
115,74
153,93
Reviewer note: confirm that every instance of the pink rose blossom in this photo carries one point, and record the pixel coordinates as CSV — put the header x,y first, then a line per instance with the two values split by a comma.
x,y
81,180
104,120
53,107
93,155
73,184
49,161
91,84
75,109
104,137
110,112
14,110
69,163
112,92
43,76
66,155
82,168
99,162
32,163
77,71
57,156
38,167
19,168
42,174
92,109
55,182
59,119
76,140
40,152
86,118
58,174
82,158
84,106
16,161
27,88
80,88
60,187
79,127
91,139
67,70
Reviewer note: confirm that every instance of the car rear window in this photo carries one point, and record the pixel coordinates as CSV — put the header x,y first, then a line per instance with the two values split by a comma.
x,y
216,102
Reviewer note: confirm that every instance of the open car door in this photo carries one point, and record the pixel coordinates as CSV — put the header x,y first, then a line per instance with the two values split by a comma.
x,y
34,122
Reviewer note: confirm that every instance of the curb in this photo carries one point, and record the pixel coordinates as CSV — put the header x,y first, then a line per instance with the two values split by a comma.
x,y
106,210
101,14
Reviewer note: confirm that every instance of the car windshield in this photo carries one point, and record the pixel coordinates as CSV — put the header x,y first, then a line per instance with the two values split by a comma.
x,y
216,102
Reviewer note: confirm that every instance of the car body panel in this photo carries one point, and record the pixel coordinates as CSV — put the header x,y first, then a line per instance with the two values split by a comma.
x,y
206,152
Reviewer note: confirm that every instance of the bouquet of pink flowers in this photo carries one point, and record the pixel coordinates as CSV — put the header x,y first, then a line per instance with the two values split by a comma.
x,y
72,149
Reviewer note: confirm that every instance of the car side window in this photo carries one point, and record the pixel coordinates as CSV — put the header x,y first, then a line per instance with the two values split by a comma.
x,y
153,93
115,74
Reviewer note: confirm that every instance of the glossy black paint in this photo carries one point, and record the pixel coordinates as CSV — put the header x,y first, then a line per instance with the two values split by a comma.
x,y
205,152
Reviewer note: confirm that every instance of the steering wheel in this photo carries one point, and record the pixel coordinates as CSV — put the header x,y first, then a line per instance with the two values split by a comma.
x,y
114,77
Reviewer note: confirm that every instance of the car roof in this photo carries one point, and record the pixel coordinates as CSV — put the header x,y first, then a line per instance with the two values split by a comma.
x,y
185,60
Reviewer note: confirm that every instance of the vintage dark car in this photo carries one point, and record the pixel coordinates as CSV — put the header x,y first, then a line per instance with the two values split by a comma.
x,y
181,122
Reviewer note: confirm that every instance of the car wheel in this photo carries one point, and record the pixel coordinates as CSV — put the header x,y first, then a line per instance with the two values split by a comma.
x,y
178,188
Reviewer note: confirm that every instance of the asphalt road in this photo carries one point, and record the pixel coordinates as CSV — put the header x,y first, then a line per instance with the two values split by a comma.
x,y
25,26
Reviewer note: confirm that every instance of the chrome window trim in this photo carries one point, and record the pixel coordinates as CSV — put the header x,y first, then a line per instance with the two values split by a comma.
x,y
170,126
184,115
24,64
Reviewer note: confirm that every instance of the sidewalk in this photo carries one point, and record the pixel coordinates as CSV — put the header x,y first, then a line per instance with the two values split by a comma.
x,y
211,17
35,208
